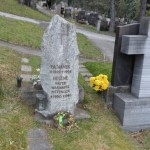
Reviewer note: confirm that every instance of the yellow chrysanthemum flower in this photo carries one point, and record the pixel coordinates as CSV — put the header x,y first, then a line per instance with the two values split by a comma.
x,y
92,79
96,88
105,77
104,86
97,82
91,84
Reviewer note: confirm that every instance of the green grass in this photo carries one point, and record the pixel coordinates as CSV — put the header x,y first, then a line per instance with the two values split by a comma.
x,y
12,6
20,32
28,34
99,68
35,62
15,117
87,48
101,132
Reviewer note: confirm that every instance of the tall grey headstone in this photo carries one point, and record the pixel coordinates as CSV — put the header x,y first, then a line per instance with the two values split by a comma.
x,y
134,108
59,69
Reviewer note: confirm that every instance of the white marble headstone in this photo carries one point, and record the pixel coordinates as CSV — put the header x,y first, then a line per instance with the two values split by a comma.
x,y
59,69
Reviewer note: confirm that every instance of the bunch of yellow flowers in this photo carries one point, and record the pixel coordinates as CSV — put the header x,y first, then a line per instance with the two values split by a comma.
x,y
99,82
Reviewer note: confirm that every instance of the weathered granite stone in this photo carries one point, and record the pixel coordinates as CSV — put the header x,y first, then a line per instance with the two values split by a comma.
x,y
81,114
28,93
82,66
122,71
59,69
86,74
81,93
26,77
25,60
81,69
78,114
40,118
37,140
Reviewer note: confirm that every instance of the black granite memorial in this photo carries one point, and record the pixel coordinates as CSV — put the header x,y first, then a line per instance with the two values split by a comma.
x,y
81,17
67,13
133,108
123,64
93,18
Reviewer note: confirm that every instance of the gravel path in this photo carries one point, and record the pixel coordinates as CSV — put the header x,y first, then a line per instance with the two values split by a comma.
x,y
104,42
4,14
21,49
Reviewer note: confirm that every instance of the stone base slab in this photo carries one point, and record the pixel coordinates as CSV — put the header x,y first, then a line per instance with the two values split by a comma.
x,y
37,140
109,93
79,114
133,112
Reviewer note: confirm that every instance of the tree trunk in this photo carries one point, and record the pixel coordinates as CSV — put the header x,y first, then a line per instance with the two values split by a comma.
x,y
112,21
142,8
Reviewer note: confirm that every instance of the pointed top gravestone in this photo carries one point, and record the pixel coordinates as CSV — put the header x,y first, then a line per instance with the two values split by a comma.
x,y
59,69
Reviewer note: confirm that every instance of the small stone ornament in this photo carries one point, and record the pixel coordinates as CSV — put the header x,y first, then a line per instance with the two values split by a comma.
x,y
19,81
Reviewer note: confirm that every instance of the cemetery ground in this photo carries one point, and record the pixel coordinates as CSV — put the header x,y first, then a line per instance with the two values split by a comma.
x,y
101,132
22,35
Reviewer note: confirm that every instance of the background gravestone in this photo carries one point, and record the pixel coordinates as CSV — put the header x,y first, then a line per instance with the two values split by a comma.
x,y
93,19
59,69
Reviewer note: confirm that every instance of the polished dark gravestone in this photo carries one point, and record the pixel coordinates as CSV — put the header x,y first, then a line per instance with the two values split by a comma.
x,y
134,108
93,19
123,64
67,13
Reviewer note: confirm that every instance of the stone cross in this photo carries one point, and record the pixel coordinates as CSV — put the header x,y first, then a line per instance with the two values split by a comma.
x,y
139,45
64,31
